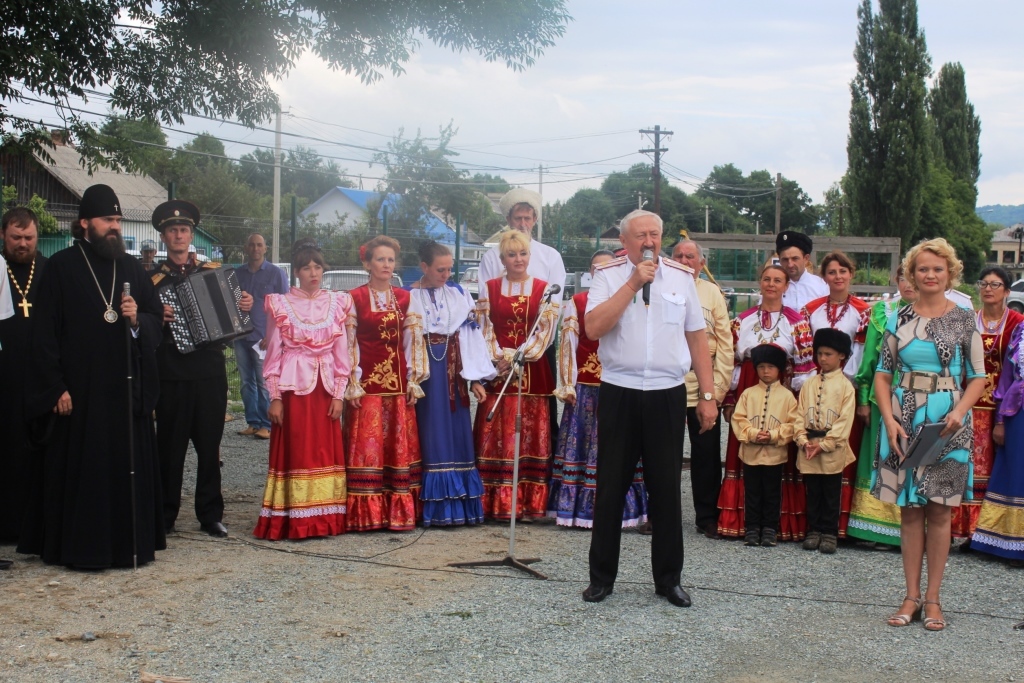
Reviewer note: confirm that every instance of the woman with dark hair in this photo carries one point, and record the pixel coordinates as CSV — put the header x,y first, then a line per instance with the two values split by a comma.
x,y
767,323
842,311
574,470
1000,529
389,360
452,491
307,369
507,308
934,348
996,324
872,520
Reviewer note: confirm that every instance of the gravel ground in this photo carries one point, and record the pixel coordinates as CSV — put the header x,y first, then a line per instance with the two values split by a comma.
x,y
385,607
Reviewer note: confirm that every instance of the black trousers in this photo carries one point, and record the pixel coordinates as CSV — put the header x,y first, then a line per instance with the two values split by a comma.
x,y
762,496
193,411
705,469
632,424
823,493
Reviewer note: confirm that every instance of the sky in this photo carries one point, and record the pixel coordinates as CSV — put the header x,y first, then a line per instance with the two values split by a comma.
x,y
759,85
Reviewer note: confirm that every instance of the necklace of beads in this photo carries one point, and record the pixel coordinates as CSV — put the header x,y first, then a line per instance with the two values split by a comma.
x,y
994,326
385,301
774,328
834,318
448,325
24,305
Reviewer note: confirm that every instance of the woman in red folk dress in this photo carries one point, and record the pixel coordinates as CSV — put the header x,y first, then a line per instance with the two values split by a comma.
x,y
842,311
385,332
307,369
996,323
506,310
768,323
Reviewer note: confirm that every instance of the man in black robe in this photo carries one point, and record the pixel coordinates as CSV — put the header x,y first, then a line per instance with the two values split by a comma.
x,y
84,339
25,265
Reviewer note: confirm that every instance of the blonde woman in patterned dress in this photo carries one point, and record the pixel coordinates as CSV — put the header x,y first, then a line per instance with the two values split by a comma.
x,y
935,347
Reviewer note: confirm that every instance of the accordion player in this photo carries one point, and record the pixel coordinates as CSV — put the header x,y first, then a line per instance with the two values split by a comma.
x,y
205,307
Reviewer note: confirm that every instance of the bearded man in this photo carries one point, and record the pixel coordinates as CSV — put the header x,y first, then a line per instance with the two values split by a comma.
x,y
87,337
21,274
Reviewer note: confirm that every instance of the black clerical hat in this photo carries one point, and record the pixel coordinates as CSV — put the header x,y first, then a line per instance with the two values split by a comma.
x,y
99,201
832,339
175,212
771,354
792,238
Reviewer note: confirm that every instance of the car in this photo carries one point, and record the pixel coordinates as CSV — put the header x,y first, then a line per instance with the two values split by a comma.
x,y
346,280
1016,299
470,281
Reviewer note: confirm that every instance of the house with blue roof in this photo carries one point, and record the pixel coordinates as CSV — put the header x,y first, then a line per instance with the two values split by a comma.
x,y
350,207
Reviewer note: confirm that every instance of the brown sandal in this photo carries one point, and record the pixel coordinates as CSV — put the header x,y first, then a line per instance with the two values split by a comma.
x,y
932,623
898,618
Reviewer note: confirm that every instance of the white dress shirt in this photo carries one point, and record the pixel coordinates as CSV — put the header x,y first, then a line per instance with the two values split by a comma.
x,y
6,302
803,291
545,264
647,348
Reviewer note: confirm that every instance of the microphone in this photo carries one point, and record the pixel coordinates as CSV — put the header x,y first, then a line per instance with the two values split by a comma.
x,y
127,289
551,291
648,256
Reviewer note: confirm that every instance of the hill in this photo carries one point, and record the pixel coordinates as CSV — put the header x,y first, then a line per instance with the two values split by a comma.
x,y
1004,215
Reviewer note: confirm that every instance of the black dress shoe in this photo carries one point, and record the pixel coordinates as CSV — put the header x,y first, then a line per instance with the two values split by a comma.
x,y
709,530
6,564
674,594
596,593
215,529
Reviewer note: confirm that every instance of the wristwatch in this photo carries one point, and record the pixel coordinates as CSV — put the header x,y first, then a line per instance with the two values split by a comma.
x,y
707,396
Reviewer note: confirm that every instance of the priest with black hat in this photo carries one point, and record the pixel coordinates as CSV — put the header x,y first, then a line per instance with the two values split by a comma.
x,y
193,386
794,251
90,331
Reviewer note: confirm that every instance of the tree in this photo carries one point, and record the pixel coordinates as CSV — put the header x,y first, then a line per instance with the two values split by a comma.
x,y
142,141
587,213
753,198
956,127
164,60
487,183
304,173
832,213
948,211
887,147
47,223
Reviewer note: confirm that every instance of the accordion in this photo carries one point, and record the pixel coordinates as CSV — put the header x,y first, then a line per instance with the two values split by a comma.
x,y
205,306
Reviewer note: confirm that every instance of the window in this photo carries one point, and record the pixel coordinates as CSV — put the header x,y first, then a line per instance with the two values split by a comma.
x,y
1009,256
993,257
129,242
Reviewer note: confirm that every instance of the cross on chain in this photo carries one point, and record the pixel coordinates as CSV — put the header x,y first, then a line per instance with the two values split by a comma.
x,y
24,306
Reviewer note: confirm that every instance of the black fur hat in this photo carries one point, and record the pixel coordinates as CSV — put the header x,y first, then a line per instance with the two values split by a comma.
x,y
832,339
771,354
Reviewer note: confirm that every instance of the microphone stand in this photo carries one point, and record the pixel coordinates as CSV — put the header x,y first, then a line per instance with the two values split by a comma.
x,y
130,347
517,364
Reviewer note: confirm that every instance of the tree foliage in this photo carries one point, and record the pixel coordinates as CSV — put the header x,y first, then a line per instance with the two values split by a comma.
x,y
957,129
304,173
47,223
752,197
887,147
164,60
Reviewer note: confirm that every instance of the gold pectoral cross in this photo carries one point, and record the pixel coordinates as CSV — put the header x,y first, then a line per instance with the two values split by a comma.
x,y
24,306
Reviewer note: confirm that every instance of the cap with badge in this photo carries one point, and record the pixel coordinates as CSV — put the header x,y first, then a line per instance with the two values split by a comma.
x,y
99,201
148,245
175,212
792,238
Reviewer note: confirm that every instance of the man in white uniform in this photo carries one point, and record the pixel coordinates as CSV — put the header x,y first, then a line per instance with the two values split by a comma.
x,y
645,353
521,208
794,250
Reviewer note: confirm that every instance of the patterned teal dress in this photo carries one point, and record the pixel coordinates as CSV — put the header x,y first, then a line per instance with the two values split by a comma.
x,y
950,346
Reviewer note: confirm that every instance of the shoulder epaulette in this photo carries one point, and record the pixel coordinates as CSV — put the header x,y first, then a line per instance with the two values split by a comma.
x,y
209,265
157,278
614,262
676,264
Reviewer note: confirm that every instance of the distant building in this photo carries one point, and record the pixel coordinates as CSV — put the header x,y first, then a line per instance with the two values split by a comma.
x,y
350,207
62,183
1005,251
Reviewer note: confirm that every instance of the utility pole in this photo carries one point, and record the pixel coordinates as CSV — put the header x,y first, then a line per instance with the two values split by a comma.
x,y
707,219
841,207
277,189
639,200
757,227
778,203
656,172
540,191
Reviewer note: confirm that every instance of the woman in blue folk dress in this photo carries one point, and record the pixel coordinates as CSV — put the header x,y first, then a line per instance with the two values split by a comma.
x,y
452,490
935,347
1000,529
